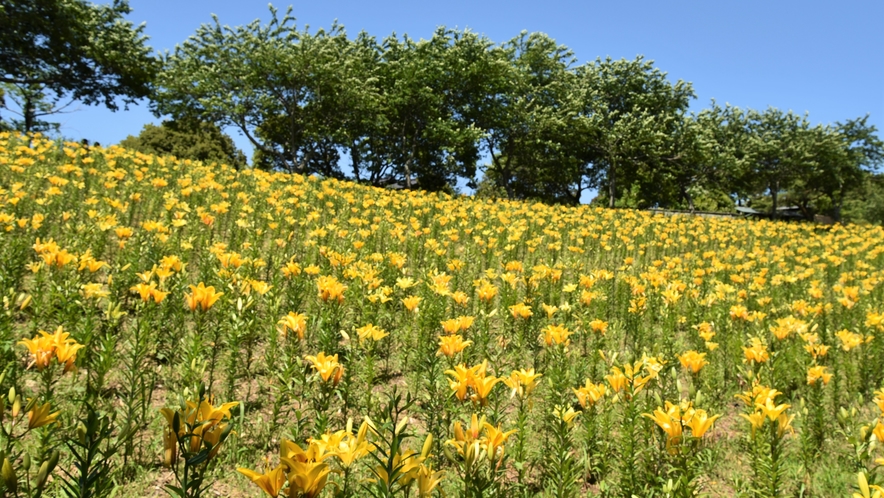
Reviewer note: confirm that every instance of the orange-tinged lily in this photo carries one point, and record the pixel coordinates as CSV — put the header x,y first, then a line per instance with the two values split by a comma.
x,y
521,310
556,334
327,366
330,289
45,346
879,432
816,373
757,352
693,361
201,297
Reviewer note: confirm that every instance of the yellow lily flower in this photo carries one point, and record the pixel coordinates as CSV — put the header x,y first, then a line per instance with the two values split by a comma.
x,y
693,361
566,416
669,421
772,410
411,303
756,421
521,310
306,479
427,480
865,491
40,416
330,289
294,322
816,373
700,422
522,382
495,439
201,297
556,334
327,366
271,482
371,332
590,394
450,345
483,386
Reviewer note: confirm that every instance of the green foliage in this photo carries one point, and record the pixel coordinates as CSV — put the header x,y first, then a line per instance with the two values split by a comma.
x,y
29,105
54,50
92,451
187,139
290,92
866,203
421,113
631,113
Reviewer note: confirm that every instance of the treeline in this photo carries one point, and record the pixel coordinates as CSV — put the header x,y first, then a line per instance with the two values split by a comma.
x,y
426,112
519,119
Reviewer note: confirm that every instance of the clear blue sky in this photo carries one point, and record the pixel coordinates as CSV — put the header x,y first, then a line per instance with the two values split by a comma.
x,y
825,58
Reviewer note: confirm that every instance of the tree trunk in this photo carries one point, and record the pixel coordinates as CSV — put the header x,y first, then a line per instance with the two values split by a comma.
x,y
836,210
688,197
356,159
774,189
612,184
28,113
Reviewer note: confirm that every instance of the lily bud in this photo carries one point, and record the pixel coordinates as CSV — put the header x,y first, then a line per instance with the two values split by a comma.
x,y
428,444
9,478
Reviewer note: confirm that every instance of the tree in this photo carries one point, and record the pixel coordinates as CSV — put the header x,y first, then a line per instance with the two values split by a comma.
x,y
30,105
527,115
54,50
698,159
292,93
629,109
866,204
863,153
777,150
419,135
842,156
187,139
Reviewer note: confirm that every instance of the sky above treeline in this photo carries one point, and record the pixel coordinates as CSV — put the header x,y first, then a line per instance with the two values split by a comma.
x,y
824,58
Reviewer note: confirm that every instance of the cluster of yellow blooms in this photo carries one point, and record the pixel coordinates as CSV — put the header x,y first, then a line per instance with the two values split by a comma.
x,y
306,470
475,379
760,400
494,284
46,346
674,417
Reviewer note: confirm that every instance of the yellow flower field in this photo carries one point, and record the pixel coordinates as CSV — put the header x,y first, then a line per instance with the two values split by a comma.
x,y
166,323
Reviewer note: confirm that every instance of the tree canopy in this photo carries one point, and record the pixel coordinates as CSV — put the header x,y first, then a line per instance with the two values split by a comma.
x,y
520,115
187,138
53,50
